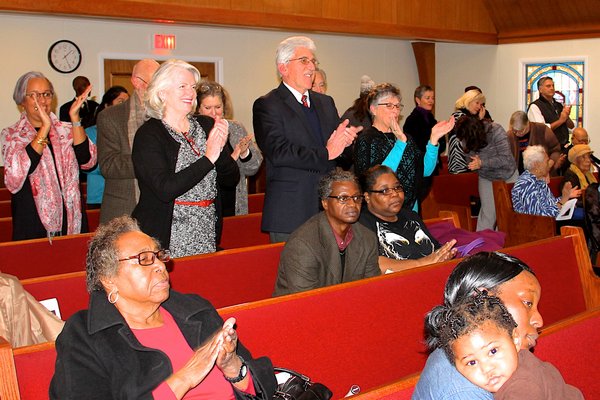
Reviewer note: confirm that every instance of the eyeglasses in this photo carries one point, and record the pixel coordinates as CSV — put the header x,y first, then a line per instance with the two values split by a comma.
x,y
389,191
147,258
46,95
391,106
344,199
204,88
306,60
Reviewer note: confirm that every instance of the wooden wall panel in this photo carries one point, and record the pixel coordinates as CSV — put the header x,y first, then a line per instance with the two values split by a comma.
x,y
402,19
467,21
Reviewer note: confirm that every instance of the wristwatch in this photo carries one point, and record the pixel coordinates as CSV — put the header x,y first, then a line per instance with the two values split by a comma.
x,y
241,375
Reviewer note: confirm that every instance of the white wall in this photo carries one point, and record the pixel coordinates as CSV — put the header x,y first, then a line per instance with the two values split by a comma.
x,y
249,70
248,57
497,70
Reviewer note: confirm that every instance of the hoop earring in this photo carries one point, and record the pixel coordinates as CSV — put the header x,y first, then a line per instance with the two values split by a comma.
x,y
115,292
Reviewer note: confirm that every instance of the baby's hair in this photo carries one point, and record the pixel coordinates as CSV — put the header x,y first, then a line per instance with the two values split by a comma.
x,y
469,315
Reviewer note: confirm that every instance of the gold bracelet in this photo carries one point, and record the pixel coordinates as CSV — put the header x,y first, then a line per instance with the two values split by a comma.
x,y
42,142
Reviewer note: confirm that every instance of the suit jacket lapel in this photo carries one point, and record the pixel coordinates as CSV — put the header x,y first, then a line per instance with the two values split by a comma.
x,y
330,248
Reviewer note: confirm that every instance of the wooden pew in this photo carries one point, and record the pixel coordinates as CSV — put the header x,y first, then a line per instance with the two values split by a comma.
x,y
243,231
37,257
256,202
5,210
521,228
571,345
225,278
452,192
302,331
5,194
5,229
290,328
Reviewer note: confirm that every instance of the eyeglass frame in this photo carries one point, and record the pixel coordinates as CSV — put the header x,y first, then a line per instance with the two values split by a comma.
x,y
358,199
155,256
142,79
391,106
49,94
306,60
388,191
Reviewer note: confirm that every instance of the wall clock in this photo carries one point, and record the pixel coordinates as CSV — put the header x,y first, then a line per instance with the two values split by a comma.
x,y
64,56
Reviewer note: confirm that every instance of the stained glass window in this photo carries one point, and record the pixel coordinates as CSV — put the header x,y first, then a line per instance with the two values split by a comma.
x,y
568,80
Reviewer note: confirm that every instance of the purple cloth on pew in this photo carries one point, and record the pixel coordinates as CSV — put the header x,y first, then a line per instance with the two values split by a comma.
x,y
445,231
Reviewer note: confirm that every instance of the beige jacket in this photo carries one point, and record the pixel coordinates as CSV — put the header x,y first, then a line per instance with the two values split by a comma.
x,y
24,321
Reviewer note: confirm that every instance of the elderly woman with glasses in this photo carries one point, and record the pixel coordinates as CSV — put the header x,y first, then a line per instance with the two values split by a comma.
x,y
179,161
404,240
42,158
386,143
139,339
214,101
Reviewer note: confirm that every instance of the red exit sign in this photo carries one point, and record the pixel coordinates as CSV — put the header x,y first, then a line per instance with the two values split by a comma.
x,y
164,42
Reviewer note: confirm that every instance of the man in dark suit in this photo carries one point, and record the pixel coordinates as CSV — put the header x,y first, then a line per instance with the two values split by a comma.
x,y
117,126
300,135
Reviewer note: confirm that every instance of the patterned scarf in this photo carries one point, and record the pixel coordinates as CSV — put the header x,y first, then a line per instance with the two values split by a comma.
x,y
137,116
584,178
55,180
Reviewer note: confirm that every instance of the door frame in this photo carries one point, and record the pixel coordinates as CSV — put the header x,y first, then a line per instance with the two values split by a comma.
x,y
218,61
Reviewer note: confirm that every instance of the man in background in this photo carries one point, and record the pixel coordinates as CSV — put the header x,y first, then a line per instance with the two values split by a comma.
x,y
550,112
117,126
88,108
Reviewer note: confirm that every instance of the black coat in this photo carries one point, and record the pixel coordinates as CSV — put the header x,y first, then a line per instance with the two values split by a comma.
x,y
99,357
294,159
154,157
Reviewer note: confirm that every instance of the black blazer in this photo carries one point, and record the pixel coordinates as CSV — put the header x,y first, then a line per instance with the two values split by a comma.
x,y
295,161
154,158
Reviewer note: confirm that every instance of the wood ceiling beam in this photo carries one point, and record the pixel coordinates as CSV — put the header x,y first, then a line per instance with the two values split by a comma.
x,y
190,14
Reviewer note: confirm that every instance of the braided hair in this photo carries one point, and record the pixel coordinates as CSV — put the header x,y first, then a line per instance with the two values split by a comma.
x,y
469,315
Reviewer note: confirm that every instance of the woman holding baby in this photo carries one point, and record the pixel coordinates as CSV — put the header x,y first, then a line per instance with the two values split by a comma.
x,y
515,292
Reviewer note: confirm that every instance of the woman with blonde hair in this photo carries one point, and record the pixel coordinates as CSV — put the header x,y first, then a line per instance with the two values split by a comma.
x,y
179,160
471,103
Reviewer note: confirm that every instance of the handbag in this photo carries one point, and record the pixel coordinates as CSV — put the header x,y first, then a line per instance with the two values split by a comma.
x,y
299,387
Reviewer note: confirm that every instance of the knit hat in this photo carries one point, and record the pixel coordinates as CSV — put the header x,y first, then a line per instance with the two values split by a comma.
x,y
579,150
366,84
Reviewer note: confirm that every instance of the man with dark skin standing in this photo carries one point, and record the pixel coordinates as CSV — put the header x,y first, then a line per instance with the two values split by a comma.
x,y
330,247
550,112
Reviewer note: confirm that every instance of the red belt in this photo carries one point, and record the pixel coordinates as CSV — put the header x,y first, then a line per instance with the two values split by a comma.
x,y
201,203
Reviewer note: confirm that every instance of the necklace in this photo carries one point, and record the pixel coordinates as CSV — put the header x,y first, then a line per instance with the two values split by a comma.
x,y
191,143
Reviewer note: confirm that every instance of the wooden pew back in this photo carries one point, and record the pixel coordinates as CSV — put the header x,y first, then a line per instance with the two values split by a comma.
x,y
243,231
453,192
358,326
225,278
290,329
519,228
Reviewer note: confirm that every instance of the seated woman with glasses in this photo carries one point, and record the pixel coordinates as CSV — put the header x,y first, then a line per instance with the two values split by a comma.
x,y
179,161
139,339
385,143
404,240
214,101
42,158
